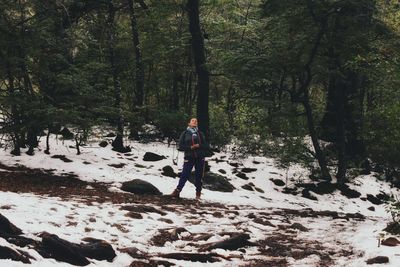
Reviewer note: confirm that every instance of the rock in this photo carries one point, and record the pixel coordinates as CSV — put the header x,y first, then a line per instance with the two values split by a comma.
x,y
233,243
62,157
263,222
259,189
167,235
242,176
143,209
383,196
366,167
169,172
10,254
373,199
214,182
103,143
306,193
134,215
278,182
97,249
150,156
140,187
151,263
378,260
346,191
6,227
390,242
372,208
117,166
166,220
66,133
194,257
62,250
248,187
222,171
248,170
323,188
299,226
234,164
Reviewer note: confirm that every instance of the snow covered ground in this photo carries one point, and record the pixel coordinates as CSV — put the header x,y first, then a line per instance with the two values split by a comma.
x,y
350,241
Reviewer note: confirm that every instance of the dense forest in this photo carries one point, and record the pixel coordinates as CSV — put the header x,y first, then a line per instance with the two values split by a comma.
x,y
311,81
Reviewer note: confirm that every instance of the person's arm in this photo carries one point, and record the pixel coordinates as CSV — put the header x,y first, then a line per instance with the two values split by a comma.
x,y
182,146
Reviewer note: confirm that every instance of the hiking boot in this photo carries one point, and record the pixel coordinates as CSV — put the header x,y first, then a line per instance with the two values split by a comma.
x,y
175,193
198,195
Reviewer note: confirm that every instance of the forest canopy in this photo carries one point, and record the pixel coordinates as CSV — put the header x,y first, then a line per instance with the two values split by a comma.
x,y
311,81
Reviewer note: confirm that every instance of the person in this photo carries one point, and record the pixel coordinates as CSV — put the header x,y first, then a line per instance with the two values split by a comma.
x,y
192,141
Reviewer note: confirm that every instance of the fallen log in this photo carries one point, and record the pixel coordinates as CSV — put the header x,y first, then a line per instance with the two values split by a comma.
x,y
232,243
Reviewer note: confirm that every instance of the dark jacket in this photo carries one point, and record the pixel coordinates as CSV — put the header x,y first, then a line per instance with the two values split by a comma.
x,y
186,140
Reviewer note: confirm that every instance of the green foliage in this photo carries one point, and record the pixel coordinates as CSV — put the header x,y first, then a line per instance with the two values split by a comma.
x,y
221,133
382,135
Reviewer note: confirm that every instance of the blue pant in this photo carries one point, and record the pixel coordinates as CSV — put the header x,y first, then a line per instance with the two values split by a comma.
x,y
198,164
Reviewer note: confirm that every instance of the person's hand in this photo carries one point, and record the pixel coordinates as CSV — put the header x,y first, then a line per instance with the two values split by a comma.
x,y
195,146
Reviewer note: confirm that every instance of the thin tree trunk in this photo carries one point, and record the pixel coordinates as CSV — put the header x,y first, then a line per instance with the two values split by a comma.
x,y
311,128
200,65
117,144
341,133
139,73
47,151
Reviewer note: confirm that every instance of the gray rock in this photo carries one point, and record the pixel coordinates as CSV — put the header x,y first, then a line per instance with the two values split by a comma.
x,y
214,182
150,156
140,187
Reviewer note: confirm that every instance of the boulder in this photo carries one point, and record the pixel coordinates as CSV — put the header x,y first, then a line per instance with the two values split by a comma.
x,y
76,254
103,143
10,254
62,250
373,199
169,172
140,187
6,227
214,182
390,242
248,170
150,156
62,157
66,133
233,243
248,187
194,257
323,188
97,249
306,194
346,191
222,171
299,227
278,182
378,260
242,175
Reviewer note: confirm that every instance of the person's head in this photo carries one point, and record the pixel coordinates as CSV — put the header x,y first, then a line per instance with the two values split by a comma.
x,y
193,122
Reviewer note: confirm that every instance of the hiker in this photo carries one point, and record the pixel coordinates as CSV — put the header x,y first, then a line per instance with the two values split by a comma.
x,y
193,143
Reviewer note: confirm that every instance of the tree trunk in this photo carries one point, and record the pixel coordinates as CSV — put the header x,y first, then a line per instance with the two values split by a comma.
x,y
200,65
47,151
139,73
341,99
117,144
319,154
